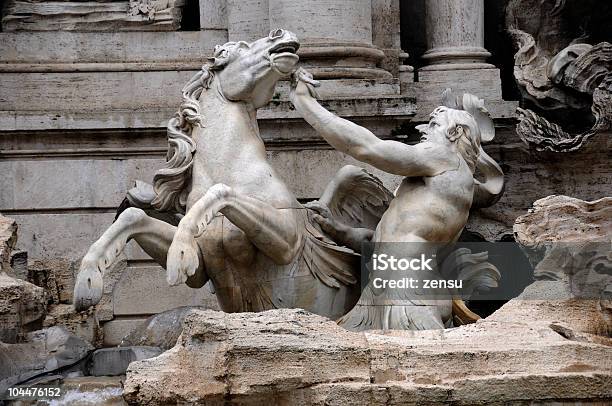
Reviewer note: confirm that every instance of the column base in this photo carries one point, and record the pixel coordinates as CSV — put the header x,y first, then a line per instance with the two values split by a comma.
x,y
485,83
338,60
456,58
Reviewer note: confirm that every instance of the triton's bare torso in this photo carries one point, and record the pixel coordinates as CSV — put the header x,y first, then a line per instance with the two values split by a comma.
x,y
433,209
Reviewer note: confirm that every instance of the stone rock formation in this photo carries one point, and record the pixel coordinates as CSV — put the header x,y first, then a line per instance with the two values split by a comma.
x,y
555,219
569,241
160,330
114,361
8,238
43,352
524,351
294,357
22,308
22,304
82,324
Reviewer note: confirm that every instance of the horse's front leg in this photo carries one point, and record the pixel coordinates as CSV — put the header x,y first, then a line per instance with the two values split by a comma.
x,y
273,231
154,236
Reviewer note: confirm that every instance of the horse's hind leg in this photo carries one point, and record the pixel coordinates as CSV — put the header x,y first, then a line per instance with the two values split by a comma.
x,y
153,235
273,231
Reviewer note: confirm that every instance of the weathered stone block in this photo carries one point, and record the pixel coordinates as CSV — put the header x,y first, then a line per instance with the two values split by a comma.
x,y
568,242
8,239
114,361
82,324
249,355
56,276
161,330
298,358
143,290
116,329
45,351
563,219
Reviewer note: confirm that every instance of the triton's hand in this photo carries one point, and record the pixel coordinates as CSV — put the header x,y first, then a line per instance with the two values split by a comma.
x,y
323,216
302,84
320,208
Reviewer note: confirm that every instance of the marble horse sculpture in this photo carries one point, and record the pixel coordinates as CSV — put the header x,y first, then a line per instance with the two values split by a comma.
x,y
219,212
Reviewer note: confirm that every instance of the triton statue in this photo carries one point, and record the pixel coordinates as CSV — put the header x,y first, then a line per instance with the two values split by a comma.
x,y
431,206
219,212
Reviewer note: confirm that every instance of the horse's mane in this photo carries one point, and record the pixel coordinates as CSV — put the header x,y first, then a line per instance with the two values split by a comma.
x,y
171,183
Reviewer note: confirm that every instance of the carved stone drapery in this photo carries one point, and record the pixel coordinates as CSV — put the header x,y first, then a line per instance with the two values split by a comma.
x,y
558,73
132,15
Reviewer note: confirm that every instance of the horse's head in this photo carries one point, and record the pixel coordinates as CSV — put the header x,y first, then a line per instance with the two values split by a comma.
x,y
249,72
241,72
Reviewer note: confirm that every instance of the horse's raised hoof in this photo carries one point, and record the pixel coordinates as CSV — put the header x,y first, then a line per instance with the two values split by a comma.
x,y
88,286
182,260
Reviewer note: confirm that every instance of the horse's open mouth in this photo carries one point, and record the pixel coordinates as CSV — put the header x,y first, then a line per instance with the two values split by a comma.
x,y
285,47
283,57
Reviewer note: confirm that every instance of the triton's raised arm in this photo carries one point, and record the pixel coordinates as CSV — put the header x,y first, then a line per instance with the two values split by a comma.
x,y
424,159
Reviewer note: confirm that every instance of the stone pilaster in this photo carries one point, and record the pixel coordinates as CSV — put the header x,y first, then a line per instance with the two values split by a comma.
x,y
455,35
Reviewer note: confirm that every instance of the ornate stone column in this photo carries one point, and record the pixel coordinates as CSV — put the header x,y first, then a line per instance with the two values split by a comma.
x,y
336,36
455,35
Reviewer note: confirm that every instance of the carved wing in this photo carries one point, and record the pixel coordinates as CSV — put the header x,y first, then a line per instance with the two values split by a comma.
x,y
141,196
356,197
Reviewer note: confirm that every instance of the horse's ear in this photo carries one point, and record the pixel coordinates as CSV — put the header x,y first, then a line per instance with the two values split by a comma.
x,y
221,55
219,60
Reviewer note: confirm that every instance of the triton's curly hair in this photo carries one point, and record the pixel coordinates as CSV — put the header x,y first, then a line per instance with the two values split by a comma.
x,y
464,131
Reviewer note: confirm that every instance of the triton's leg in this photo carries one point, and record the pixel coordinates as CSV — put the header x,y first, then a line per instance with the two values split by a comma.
x,y
153,235
273,231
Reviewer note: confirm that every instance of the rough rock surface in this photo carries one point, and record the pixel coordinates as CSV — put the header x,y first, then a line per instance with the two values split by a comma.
x,y
114,361
56,276
294,357
82,324
563,219
45,351
8,238
22,308
160,330
569,241
550,303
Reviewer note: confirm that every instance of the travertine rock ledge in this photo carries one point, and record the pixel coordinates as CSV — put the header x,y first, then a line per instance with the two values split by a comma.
x,y
293,357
